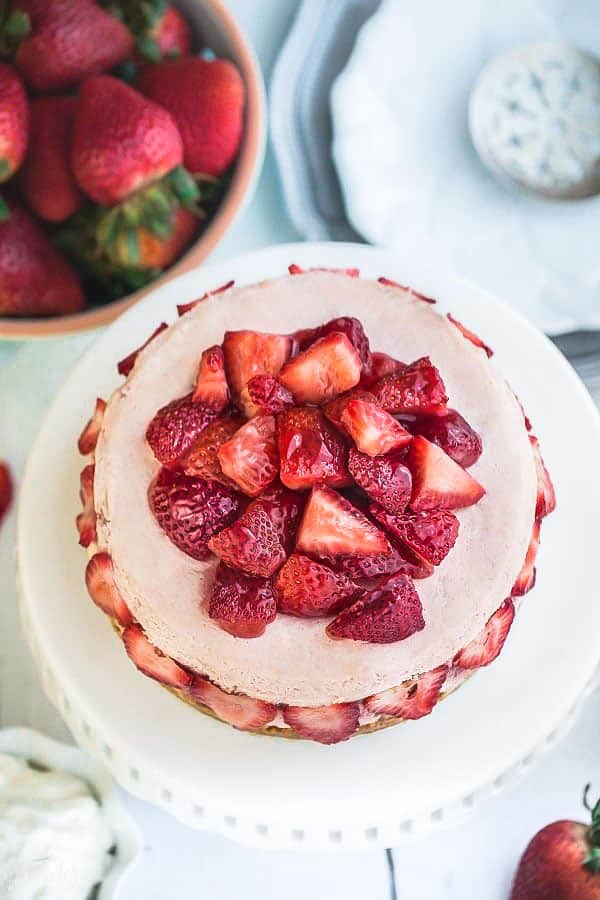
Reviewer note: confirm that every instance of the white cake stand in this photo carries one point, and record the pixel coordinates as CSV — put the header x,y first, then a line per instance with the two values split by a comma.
x,y
376,789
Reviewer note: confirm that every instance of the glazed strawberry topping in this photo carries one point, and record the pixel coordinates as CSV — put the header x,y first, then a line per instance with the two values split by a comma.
x,y
379,364
347,325
371,570
489,642
437,480
386,479
308,588
331,526
250,457
285,509
325,369
191,510
240,711
412,699
310,450
252,544
89,436
241,604
202,459
450,432
390,613
373,430
416,388
267,395
430,535
250,353
324,724
176,427
211,385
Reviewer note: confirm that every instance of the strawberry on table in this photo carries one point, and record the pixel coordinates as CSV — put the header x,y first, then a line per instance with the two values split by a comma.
x,y
241,604
310,450
386,479
450,431
484,649
331,527
307,588
385,615
252,353
211,384
430,535
252,543
437,480
418,388
151,661
250,458
412,699
206,98
325,369
14,122
102,588
324,724
246,713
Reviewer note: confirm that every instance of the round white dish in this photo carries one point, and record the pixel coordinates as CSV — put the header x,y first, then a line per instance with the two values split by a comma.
x,y
376,788
42,750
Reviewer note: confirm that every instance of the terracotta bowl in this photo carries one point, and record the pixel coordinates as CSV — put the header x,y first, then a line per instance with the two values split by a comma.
x,y
216,28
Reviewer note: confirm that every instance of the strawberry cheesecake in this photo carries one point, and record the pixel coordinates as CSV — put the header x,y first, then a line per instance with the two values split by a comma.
x,y
312,506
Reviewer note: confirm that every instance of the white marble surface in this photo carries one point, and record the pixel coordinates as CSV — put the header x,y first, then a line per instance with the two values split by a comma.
x,y
474,860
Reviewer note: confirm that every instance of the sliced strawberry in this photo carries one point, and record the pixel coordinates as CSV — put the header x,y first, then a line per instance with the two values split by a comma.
x,y
335,409
310,450
86,521
308,588
250,457
238,710
412,699
546,497
202,460
388,282
102,588
430,535
241,604
252,544
324,724
471,336
347,325
372,570
266,395
416,389
437,480
89,436
331,526
386,479
6,490
250,353
489,642
211,385
152,662
526,577
191,510
450,431
380,364
382,616
373,430
176,427
327,368
285,509
126,365
183,308
294,269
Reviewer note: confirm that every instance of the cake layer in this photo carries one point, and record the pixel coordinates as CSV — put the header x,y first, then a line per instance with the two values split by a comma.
x,y
295,662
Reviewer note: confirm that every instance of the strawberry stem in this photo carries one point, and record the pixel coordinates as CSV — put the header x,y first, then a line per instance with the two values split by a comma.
x,y
4,211
14,28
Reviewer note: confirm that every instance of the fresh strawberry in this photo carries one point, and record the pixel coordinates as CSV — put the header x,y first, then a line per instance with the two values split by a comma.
x,y
373,430
379,364
373,570
382,616
152,662
285,509
160,30
546,497
331,527
102,588
250,353
202,460
238,710
250,457
121,140
14,122
562,861
386,479
327,368
211,385
125,366
310,450
526,577
67,41
191,510
206,99
6,490
183,308
86,520
176,427
308,588
430,535
471,336
266,395
139,247
437,480
35,278
347,325
450,432
388,282
46,181
241,604
489,642
89,436
412,699
324,724
251,544
418,388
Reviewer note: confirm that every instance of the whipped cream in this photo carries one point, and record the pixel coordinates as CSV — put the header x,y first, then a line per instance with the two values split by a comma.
x,y
54,839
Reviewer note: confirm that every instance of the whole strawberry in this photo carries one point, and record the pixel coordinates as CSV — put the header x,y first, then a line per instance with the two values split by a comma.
x,y
67,41
562,862
14,122
35,278
47,182
206,99
160,31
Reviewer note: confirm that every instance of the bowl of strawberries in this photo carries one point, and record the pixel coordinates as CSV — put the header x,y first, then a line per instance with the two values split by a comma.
x,y
131,135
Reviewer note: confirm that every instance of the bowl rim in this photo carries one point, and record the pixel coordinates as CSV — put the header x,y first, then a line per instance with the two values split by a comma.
x,y
29,744
246,173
